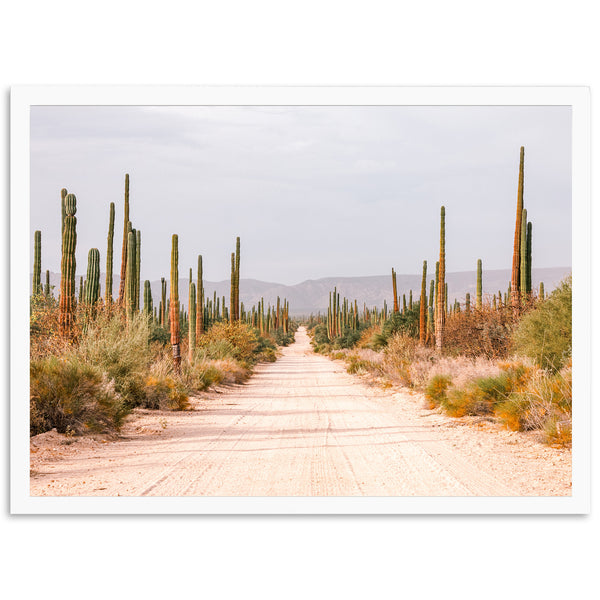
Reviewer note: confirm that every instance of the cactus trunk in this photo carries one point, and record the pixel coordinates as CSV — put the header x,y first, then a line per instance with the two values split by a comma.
x,y
174,303
200,301
516,263
67,268
130,277
109,255
124,247
423,305
192,318
37,263
92,281
440,318
479,299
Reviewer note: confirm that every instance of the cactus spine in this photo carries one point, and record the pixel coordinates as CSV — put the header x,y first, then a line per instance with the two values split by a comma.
x,y
67,268
440,318
92,281
174,302
516,264
124,247
109,255
479,298
37,263
423,305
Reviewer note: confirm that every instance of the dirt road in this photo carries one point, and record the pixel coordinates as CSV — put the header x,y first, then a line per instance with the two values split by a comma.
x,y
301,427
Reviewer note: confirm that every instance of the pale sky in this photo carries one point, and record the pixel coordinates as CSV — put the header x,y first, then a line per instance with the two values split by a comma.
x,y
312,191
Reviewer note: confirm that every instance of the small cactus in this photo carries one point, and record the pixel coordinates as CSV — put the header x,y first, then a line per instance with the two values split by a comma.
x,y
147,298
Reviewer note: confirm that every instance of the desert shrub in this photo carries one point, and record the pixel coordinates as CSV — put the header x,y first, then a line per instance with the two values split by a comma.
x,y
406,323
470,400
436,390
283,339
366,336
544,334
165,392
358,364
481,332
121,351
543,401
72,396
230,340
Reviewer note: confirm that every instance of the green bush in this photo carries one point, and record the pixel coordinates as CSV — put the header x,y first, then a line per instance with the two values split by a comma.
x,y
72,396
406,323
436,390
121,351
544,333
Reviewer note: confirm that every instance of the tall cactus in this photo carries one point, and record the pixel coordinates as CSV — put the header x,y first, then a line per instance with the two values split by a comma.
x,y
163,295
67,268
47,288
200,301
541,293
130,277
192,315
479,299
109,255
231,291
63,214
37,263
124,247
147,298
468,304
237,279
440,318
528,280
395,291
92,278
516,263
174,302
138,258
523,267
423,305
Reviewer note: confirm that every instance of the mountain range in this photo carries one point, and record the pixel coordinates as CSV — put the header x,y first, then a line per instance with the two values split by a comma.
x,y
312,295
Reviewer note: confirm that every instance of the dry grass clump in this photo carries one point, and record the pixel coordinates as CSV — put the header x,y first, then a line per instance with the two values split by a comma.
x,y
72,397
482,332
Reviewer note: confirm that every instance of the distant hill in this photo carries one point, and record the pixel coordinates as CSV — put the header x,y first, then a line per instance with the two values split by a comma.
x,y
312,295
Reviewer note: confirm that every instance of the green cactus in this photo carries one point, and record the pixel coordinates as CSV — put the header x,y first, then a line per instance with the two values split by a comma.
x,y
174,302
423,305
395,291
237,279
541,290
81,289
518,249
200,301
124,247
109,255
163,314
147,298
440,317
47,288
231,290
479,298
138,252
63,212
528,281
67,268
37,263
130,277
192,319
468,303
523,265
92,281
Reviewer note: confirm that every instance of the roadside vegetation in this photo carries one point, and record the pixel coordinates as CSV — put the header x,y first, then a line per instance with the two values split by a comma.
x,y
94,358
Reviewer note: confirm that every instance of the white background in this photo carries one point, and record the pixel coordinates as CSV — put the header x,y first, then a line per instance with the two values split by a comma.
x,y
321,43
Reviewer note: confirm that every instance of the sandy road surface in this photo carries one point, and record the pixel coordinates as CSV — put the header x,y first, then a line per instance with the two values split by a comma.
x,y
301,427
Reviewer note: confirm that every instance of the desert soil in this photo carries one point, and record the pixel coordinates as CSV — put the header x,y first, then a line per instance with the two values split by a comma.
x,y
301,426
